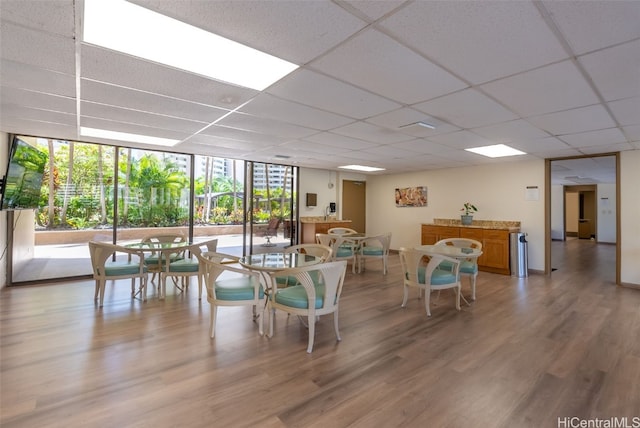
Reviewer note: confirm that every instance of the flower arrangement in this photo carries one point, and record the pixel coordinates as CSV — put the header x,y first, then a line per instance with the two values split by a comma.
x,y
468,208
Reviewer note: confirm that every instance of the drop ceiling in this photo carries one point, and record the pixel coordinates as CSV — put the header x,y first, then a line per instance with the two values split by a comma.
x,y
550,78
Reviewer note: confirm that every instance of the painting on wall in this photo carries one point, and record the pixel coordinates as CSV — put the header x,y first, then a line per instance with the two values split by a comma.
x,y
411,197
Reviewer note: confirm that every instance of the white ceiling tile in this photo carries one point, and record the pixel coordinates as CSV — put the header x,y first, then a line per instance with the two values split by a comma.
x,y
28,126
119,96
110,67
514,130
40,115
615,71
633,132
403,118
560,153
540,145
627,111
423,146
461,140
466,109
594,138
325,93
573,121
291,112
117,114
341,141
375,10
591,25
242,135
296,31
37,48
132,128
16,75
312,147
381,65
544,90
603,148
477,42
264,126
367,132
51,16
39,100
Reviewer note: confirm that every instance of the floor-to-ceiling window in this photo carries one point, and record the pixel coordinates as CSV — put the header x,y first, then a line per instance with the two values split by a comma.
x,y
89,188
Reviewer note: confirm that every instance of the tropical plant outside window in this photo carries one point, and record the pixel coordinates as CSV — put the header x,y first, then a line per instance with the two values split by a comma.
x,y
153,189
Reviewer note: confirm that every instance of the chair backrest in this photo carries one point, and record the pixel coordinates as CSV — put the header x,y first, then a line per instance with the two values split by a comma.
x,y
318,250
413,261
101,252
273,224
461,243
214,264
337,243
380,241
206,246
164,239
328,275
341,231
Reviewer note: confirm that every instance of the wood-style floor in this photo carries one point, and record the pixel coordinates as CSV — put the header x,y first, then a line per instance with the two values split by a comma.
x,y
527,352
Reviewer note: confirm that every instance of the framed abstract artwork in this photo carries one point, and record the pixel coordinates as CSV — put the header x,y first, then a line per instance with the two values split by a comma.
x,y
411,197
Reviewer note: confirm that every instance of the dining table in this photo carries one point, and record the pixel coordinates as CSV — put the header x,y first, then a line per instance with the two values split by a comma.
x,y
164,251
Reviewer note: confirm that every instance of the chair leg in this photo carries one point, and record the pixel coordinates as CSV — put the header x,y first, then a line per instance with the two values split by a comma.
x,y
312,333
405,296
473,286
212,324
103,286
335,325
95,296
458,292
427,301
261,321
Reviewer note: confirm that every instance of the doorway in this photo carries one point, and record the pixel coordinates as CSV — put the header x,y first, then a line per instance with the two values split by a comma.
x,y
583,200
354,198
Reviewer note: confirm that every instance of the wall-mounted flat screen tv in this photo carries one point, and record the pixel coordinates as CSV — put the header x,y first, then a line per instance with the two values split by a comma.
x,y
23,182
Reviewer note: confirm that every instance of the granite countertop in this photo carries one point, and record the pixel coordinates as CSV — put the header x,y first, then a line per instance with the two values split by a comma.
x,y
511,226
321,219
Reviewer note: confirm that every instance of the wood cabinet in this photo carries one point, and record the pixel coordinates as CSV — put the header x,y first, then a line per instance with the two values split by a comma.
x,y
495,244
310,229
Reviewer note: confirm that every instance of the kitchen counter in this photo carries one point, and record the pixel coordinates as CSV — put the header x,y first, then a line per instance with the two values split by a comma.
x,y
511,226
309,226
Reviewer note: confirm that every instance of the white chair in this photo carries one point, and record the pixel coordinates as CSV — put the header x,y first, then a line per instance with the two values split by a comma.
x,y
341,231
319,284
469,266
238,287
105,269
428,278
155,258
375,247
185,268
342,248
318,250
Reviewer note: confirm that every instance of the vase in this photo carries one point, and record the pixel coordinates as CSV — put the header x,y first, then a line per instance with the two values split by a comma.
x,y
466,219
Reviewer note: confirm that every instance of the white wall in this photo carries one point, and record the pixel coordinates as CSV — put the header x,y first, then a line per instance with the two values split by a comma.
x,y
4,149
317,181
498,190
629,217
557,212
606,208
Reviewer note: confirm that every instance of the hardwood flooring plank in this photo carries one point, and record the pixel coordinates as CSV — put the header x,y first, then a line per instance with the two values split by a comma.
x,y
527,351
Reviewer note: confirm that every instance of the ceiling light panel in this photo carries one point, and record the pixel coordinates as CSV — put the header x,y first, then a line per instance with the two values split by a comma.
x,y
162,39
496,151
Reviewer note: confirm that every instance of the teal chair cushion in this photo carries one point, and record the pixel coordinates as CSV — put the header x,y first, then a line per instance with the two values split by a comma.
x,y
292,280
344,252
154,260
468,267
438,277
372,251
241,288
184,265
296,297
465,266
122,268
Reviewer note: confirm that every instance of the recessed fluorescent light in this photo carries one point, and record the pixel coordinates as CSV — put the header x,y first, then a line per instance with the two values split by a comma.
x,y
419,123
134,30
125,136
496,151
361,168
